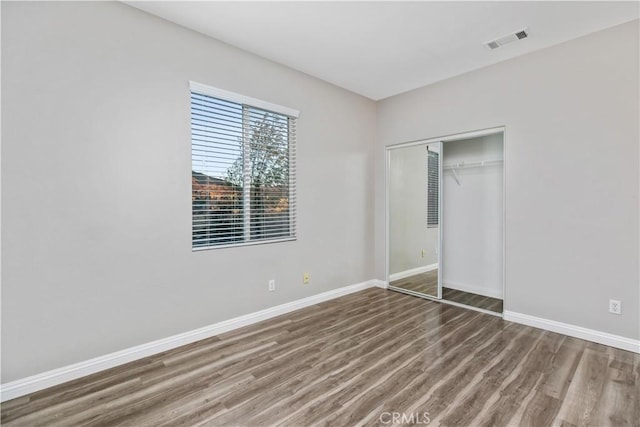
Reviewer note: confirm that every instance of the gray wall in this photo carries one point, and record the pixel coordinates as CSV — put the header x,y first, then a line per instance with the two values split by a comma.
x,y
473,217
96,183
571,115
408,231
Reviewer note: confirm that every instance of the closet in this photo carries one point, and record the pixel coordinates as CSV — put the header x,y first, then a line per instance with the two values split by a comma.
x,y
445,219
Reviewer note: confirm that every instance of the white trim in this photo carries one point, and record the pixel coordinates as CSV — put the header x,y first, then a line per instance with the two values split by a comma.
x,y
243,243
241,99
387,179
454,137
412,272
54,377
381,284
464,287
441,261
605,338
504,217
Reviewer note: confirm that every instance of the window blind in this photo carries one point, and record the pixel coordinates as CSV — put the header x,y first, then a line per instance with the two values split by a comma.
x,y
433,188
243,172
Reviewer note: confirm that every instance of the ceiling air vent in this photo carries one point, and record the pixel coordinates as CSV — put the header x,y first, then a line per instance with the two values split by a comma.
x,y
519,35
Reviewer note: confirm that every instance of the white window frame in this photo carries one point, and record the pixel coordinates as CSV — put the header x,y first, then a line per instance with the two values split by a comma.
x,y
248,102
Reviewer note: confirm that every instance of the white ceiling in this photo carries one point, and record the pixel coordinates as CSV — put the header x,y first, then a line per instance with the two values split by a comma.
x,y
379,49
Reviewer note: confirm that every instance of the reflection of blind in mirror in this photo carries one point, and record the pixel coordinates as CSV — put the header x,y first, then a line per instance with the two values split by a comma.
x,y
432,188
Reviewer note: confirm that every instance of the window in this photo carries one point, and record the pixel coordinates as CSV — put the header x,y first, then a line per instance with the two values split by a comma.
x,y
243,169
433,188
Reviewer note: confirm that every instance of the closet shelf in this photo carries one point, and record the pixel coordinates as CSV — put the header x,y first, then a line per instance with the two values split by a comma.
x,y
464,165
476,164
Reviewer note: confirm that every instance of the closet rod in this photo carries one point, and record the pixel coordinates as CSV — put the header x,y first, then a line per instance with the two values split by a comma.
x,y
476,164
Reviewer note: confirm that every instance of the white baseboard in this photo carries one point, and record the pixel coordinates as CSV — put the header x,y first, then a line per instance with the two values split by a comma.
x,y
48,379
464,287
381,284
605,338
412,272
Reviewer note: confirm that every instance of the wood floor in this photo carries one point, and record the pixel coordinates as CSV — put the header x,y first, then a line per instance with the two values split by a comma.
x,y
424,283
473,300
357,360
427,283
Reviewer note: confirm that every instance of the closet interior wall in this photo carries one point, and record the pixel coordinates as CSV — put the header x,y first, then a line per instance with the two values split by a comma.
x,y
473,216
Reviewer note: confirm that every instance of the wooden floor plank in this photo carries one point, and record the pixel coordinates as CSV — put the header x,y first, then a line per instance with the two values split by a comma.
x,y
585,393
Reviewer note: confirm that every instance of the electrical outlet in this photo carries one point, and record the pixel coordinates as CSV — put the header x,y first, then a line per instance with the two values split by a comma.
x,y
306,278
272,285
423,253
615,306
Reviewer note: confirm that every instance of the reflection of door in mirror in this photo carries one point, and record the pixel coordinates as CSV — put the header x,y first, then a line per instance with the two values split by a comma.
x,y
414,218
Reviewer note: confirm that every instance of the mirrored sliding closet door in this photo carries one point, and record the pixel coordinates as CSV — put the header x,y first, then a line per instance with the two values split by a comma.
x,y
414,177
